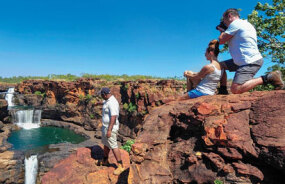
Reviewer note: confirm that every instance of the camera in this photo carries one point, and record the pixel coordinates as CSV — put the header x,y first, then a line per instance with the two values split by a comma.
x,y
222,25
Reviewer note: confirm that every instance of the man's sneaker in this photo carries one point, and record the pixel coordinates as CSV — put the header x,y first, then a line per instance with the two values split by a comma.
x,y
119,170
275,78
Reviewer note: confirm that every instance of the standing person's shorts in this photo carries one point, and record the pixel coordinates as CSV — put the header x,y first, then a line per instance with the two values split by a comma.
x,y
194,93
110,142
243,73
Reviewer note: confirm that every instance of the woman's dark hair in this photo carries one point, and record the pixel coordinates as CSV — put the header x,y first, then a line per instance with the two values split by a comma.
x,y
214,46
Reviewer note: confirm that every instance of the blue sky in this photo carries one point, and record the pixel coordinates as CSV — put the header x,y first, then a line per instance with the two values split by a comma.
x,y
159,37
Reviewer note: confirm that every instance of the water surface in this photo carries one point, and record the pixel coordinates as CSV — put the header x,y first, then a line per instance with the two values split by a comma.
x,y
33,138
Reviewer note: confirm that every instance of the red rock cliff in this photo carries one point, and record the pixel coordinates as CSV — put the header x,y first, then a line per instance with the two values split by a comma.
x,y
234,138
76,102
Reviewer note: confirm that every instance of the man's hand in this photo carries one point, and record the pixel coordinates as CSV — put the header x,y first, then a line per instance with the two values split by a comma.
x,y
189,74
108,135
220,29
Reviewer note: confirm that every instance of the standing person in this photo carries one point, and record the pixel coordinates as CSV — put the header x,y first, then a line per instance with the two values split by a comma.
x,y
246,58
110,115
209,76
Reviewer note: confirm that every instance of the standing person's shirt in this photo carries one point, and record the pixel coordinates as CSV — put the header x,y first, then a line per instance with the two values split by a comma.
x,y
243,45
110,108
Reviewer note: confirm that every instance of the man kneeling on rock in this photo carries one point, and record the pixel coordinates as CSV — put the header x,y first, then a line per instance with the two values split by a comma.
x,y
110,115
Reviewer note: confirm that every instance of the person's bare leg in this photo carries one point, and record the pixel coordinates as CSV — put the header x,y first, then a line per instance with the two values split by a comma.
x,y
117,154
241,88
189,84
106,151
120,166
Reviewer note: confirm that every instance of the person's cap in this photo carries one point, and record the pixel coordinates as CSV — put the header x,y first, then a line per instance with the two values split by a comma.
x,y
105,90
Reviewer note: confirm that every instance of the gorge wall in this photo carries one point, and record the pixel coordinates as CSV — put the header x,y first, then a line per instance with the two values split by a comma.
x,y
77,102
232,138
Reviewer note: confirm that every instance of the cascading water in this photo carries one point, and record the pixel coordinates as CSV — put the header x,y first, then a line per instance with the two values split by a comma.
x,y
27,119
9,97
31,169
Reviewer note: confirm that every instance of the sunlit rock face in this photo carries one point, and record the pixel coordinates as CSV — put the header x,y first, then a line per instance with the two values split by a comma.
x,y
234,138
78,102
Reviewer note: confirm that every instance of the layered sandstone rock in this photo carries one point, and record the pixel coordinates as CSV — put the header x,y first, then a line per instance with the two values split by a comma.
x,y
234,138
11,170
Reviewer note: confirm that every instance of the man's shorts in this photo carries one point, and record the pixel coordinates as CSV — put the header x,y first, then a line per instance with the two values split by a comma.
x,y
110,142
243,73
194,93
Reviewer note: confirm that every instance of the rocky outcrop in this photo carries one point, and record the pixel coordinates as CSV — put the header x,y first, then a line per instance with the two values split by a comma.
x,y
5,86
77,102
81,167
3,110
11,170
234,138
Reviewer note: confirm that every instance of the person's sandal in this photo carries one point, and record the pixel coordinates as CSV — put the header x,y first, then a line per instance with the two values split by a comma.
x,y
119,170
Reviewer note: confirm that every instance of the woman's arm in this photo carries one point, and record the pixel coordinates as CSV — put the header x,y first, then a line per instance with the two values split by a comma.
x,y
203,72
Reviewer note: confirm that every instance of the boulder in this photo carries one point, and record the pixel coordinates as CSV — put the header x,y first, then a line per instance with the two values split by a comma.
x,y
81,167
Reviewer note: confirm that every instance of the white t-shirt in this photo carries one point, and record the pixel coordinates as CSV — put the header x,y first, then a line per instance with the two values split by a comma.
x,y
110,108
243,45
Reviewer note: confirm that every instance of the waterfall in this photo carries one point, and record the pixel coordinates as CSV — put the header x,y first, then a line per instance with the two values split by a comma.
x,y
9,97
27,119
31,169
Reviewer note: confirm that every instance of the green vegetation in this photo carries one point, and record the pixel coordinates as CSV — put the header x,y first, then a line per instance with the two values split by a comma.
x,y
218,181
118,77
40,93
269,21
268,87
18,79
130,107
92,116
70,77
125,106
128,145
81,98
137,95
143,112
86,98
126,87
